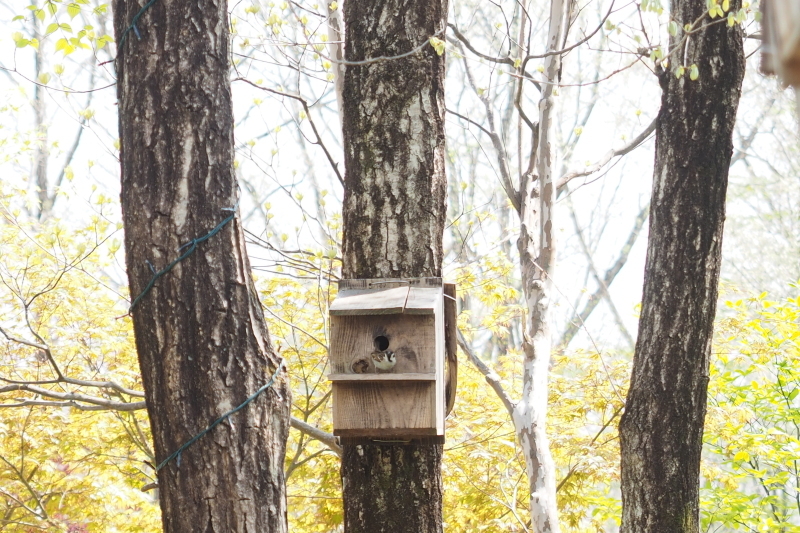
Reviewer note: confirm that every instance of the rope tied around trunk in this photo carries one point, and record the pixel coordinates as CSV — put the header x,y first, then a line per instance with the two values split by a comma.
x,y
177,453
134,26
190,247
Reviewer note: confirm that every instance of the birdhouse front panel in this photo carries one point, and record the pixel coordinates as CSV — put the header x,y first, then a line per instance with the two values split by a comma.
x,y
387,350
411,338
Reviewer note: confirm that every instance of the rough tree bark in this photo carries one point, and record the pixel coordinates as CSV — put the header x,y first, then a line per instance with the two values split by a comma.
x,y
661,432
394,214
202,341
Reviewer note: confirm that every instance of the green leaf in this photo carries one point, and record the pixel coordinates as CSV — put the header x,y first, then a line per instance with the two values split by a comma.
x,y
437,45
694,72
672,28
63,45
741,16
51,28
73,10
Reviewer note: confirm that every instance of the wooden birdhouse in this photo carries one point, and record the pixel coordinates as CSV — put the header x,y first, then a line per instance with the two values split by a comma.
x,y
389,344
781,39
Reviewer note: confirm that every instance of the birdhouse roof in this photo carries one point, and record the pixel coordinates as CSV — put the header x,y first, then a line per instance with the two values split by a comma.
x,y
387,297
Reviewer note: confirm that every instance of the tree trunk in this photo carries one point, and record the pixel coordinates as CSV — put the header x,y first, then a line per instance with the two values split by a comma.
x,y
41,152
661,432
201,337
394,214
537,256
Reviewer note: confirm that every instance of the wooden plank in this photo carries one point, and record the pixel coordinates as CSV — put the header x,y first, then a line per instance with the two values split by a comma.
x,y
425,282
410,437
451,346
374,283
387,406
387,283
439,351
370,301
410,337
423,300
383,377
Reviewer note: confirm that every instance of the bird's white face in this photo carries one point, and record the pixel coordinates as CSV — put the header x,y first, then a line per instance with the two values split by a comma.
x,y
384,360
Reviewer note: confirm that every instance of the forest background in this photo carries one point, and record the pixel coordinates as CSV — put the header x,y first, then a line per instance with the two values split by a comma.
x,y
76,456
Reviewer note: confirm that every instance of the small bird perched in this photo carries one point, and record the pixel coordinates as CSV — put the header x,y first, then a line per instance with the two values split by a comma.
x,y
384,359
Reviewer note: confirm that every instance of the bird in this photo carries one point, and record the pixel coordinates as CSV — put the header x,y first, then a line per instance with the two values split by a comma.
x,y
384,359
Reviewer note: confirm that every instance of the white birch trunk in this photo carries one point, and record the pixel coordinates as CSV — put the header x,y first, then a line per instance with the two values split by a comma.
x,y
336,51
537,245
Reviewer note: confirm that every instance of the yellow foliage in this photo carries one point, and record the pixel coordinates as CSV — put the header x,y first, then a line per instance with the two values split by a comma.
x,y
63,469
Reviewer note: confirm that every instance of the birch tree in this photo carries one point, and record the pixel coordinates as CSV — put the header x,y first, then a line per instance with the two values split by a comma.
x,y
537,251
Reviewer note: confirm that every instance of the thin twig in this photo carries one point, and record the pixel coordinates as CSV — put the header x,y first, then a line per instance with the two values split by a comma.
x,y
490,375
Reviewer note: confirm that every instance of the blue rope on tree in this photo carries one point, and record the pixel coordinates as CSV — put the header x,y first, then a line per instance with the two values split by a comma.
x,y
191,247
133,27
177,453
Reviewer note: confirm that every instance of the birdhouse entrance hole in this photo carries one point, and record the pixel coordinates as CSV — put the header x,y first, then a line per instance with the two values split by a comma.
x,y
381,343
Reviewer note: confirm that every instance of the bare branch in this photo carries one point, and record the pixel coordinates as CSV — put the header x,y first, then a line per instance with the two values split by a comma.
x,y
741,152
61,378
602,288
597,435
318,142
79,401
491,376
70,91
611,154
324,437
23,341
462,117
497,142
103,403
577,44
460,36
104,385
578,319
